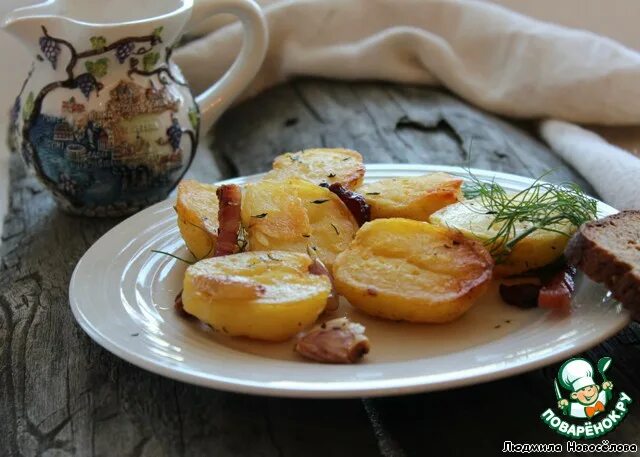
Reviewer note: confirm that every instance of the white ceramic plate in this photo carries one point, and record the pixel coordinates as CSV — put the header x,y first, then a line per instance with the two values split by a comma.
x,y
122,295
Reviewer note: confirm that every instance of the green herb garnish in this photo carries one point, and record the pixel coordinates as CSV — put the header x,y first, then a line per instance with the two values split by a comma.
x,y
542,206
470,190
372,193
172,256
318,202
260,216
336,229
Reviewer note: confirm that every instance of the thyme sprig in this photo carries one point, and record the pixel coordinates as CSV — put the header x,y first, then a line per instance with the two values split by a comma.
x,y
541,206
173,256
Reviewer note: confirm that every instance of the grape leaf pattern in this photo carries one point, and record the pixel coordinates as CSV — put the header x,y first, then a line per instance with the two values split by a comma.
x,y
174,132
124,50
51,50
28,106
87,83
98,43
156,35
194,118
98,68
149,60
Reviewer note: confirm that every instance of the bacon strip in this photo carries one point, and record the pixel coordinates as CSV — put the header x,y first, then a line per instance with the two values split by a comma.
x,y
554,292
335,341
354,202
229,198
318,268
557,292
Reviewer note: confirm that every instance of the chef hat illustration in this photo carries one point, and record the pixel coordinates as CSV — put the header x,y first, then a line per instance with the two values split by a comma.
x,y
575,374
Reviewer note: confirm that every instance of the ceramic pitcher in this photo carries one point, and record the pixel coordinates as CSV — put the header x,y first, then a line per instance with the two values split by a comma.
x,y
105,118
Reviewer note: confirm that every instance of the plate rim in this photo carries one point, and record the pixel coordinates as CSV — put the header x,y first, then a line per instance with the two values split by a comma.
x,y
353,389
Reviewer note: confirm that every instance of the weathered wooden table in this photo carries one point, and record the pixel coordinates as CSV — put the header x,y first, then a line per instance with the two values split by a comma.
x,y
61,394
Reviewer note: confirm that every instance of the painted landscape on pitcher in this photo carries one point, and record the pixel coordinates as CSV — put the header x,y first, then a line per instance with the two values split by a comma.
x,y
120,153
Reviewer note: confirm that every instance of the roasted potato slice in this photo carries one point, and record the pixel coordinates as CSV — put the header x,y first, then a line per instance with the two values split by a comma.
x,y
323,165
536,250
197,208
415,197
263,295
296,215
402,269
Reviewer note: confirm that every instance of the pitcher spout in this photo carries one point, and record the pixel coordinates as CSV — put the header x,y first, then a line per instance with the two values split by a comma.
x,y
81,19
24,23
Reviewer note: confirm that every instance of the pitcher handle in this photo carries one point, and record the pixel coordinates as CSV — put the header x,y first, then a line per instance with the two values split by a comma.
x,y
214,100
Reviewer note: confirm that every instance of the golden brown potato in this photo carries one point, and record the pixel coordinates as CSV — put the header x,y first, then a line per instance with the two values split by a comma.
x,y
296,215
197,208
323,165
263,295
403,269
414,197
536,250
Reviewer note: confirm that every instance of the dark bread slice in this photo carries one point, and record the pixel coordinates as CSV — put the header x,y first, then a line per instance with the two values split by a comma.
x,y
608,251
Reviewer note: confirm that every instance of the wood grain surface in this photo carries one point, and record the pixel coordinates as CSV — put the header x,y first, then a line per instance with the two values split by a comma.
x,y
61,394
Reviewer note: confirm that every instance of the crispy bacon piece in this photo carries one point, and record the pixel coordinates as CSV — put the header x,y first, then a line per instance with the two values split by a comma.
x,y
554,292
521,295
229,198
354,202
318,268
335,341
557,292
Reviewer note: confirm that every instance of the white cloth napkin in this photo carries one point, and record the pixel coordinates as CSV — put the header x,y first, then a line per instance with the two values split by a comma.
x,y
499,60
613,172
